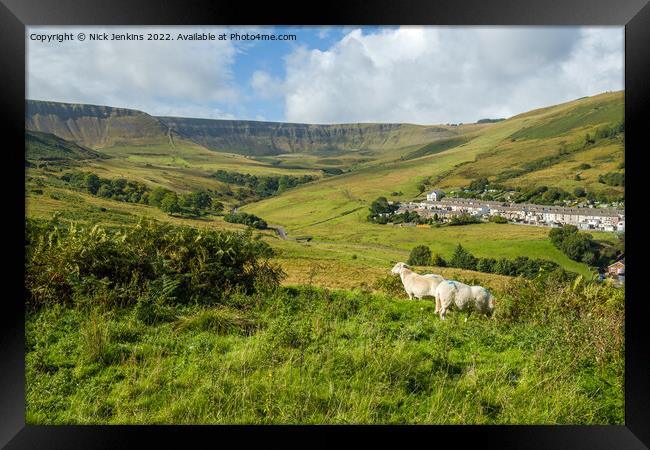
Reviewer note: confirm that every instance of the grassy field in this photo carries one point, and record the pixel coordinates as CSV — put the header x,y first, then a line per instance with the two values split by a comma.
x,y
307,355
333,263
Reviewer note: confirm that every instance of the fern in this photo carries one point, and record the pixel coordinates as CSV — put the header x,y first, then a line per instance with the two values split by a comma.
x,y
162,290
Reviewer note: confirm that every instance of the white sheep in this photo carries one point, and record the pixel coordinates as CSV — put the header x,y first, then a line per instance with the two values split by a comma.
x,y
417,285
464,298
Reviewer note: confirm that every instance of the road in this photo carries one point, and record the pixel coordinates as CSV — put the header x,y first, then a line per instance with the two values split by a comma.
x,y
283,234
280,231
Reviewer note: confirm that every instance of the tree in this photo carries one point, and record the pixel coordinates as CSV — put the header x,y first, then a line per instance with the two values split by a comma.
x,y
479,185
381,206
105,191
463,259
420,256
558,235
579,192
92,183
576,246
283,184
156,196
217,207
119,184
197,201
602,132
169,203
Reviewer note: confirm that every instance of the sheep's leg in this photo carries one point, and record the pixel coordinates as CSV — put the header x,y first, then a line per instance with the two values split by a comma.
x,y
443,313
437,306
410,295
469,313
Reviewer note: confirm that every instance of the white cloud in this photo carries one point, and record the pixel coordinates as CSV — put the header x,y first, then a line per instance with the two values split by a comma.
x,y
450,74
266,86
406,74
159,77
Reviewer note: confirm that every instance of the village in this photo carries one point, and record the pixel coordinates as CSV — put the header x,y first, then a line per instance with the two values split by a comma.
x,y
438,206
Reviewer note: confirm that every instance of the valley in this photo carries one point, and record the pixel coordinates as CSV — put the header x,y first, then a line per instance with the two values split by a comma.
x,y
369,161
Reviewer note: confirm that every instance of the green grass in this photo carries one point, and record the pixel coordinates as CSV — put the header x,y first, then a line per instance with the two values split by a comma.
x,y
588,112
308,355
437,147
45,146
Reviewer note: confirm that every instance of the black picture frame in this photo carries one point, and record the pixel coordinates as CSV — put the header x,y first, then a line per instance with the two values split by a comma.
x,y
16,14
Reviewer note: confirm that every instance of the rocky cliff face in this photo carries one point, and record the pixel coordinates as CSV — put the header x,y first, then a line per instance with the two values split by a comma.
x,y
103,126
93,126
271,138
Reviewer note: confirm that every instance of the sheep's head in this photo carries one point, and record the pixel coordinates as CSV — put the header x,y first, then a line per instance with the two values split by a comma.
x,y
398,268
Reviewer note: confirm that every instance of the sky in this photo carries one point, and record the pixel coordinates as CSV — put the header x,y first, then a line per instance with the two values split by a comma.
x,y
408,74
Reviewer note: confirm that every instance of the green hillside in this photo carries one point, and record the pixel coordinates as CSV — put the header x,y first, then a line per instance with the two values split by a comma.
x,y
47,147
94,126
550,144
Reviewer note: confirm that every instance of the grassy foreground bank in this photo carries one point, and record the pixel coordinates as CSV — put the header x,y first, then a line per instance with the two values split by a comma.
x,y
552,354
158,324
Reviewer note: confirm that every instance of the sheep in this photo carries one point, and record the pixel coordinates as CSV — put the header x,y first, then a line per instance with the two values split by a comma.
x,y
417,285
464,297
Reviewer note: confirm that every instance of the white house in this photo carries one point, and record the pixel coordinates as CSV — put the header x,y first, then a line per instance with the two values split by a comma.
x,y
435,196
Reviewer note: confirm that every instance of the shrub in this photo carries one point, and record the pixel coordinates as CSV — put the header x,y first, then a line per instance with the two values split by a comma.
x,y
438,261
420,256
612,179
246,219
390,285
498,219
66,262
579,192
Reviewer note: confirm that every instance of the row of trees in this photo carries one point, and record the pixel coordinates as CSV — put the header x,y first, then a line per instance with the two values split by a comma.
x,y
120,189
263,186
463,259
246,219
544,195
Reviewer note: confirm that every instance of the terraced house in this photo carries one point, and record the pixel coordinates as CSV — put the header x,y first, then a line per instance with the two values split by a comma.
x,y
603,219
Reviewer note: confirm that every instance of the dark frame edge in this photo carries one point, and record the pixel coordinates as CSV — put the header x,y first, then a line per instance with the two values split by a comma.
x,y
12,368
634,434
637,364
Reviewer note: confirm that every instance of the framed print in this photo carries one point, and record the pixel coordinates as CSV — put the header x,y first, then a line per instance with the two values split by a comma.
x,y
252,220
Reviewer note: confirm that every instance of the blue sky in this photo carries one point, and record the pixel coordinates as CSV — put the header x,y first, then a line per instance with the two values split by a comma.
x,y
408,74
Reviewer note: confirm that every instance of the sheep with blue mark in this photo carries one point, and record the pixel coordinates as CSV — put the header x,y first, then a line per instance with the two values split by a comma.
x,y
463,297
